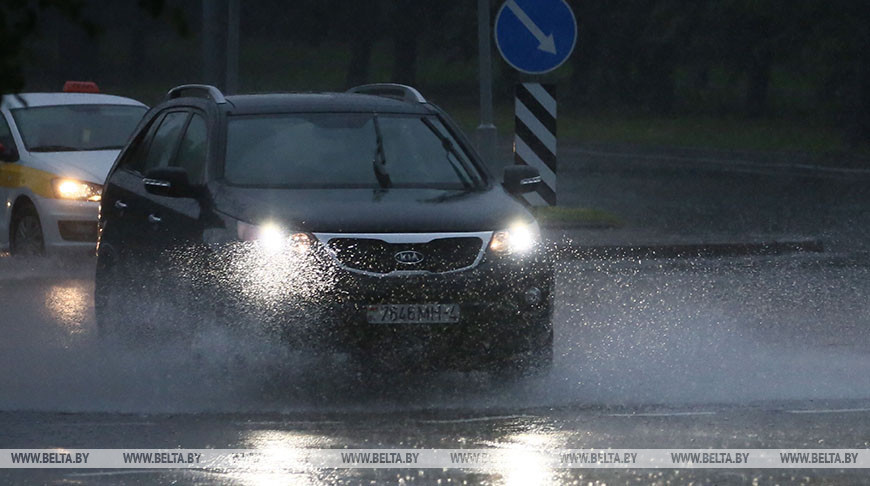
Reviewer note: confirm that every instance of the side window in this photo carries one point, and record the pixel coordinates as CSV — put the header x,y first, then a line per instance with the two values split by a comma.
x,y
192,152
6,134
134,157
164,142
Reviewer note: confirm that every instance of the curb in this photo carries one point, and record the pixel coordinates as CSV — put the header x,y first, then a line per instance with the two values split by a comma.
x,y
688,250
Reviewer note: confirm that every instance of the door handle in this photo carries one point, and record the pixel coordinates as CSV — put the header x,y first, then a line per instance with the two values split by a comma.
x,y
119,204
154,219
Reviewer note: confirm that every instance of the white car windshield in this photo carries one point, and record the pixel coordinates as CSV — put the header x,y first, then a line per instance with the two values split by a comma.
x,y
64,128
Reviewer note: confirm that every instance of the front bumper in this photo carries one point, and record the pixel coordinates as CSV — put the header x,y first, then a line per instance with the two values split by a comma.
x,y
68,225
497,318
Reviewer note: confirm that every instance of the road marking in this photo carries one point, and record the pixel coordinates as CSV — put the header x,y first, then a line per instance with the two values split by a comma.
x,y
831,410
659,414
289,422
201,472
475,419
118,473
92,424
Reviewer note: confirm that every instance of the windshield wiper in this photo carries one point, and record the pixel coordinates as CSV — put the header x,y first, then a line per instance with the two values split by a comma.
x,y
53,148
464,173
379,162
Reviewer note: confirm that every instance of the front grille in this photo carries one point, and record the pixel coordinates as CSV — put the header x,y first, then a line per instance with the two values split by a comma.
x,y
378,256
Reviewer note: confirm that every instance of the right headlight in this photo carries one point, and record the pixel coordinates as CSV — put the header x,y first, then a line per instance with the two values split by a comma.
x,y
520,238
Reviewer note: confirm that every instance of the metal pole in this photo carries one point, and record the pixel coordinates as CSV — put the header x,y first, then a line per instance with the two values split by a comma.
x,y
209,42
232,84
487,135
214,42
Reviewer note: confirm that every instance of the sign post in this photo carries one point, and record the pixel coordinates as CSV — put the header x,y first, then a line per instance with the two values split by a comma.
x,y
487,136
535,137
536,37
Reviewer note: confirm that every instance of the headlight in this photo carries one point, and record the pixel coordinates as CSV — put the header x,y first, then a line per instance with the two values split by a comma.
x,y
518,239
273,238
78,190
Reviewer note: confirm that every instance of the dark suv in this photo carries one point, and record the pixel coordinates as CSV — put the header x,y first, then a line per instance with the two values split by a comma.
x,y
359,222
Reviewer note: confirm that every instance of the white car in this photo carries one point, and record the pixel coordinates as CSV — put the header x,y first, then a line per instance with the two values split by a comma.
x,y
55,152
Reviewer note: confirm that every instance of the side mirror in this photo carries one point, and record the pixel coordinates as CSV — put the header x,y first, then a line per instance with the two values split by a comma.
x,y
519,179
169,182
8,154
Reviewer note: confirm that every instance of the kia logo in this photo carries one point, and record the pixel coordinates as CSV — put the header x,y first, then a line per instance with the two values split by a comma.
x,y
409,257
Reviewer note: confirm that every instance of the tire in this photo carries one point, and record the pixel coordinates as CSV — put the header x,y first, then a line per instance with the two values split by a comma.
x,y
25,233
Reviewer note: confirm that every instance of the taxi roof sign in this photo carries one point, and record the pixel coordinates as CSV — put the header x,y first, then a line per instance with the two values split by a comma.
x,y
80,87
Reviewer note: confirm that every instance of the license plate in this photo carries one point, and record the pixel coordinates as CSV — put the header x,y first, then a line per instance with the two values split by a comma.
x,y
412,314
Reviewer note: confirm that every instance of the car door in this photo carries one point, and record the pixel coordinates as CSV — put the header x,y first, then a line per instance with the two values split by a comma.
x,y
175,224
125,227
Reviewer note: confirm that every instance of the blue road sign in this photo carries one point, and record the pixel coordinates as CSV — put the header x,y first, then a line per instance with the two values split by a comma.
x,y
535,36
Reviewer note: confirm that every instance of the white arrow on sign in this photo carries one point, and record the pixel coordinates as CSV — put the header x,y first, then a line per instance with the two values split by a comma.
x,y
546,43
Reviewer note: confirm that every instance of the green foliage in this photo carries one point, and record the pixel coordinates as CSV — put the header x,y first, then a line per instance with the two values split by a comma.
x,y
19,20
760,60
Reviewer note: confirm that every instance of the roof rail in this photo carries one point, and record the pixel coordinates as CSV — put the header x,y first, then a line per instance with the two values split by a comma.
x,y
390,90
197,91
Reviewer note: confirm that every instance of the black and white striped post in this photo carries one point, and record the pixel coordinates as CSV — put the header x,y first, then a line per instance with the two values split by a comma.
x,y
535,139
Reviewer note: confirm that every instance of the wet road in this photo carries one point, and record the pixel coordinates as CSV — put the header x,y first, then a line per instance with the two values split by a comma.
x,y
744,353
757,352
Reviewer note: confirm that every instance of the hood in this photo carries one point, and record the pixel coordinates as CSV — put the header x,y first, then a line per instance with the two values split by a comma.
x,y
374,211
88,166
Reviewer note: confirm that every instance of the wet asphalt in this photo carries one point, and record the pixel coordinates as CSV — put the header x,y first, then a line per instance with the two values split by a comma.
x,y
736,352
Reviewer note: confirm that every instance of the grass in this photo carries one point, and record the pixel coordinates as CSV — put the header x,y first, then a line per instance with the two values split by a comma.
x,y
707,132
580,217
790,135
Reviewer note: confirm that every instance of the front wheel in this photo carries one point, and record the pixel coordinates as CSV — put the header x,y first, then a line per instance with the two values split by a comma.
x,y
26,232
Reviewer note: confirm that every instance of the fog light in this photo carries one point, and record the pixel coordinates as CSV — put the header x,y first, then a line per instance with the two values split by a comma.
x,y
533,296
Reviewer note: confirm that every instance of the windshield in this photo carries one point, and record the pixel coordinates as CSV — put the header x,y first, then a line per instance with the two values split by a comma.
x,y
341,150
65,128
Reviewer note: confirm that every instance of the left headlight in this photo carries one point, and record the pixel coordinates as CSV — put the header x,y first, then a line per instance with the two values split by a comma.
x,y
518,239
78,190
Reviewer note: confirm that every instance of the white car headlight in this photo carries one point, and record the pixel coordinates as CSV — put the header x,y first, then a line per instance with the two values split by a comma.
x,y
274,238
78,190
518,239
